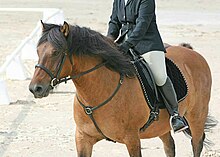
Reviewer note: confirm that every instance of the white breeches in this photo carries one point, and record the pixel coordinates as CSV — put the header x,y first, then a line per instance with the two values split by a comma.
x,y
156,62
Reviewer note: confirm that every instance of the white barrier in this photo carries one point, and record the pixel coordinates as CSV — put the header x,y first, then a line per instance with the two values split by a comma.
x,y
4,98
26,50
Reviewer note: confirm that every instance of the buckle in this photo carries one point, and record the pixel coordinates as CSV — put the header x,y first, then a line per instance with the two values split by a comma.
x,y
88,110
155,115
53,83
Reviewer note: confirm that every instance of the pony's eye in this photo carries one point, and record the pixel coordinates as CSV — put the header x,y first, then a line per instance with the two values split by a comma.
x,y
55,53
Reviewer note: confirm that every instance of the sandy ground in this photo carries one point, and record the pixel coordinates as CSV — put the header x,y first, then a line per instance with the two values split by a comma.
x,y
45,127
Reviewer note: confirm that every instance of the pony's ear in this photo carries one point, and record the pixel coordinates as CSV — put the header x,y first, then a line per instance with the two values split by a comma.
x,y
65,29
42,25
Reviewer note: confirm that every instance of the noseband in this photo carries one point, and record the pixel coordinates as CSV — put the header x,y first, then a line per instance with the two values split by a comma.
x,y
55,80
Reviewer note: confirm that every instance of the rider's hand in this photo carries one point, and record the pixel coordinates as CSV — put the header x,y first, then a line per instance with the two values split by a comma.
x,y
124,47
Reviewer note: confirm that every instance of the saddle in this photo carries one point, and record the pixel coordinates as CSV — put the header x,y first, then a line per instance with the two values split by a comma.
x,y
149,87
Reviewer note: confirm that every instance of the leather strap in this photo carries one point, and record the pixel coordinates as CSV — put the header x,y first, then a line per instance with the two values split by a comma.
x,y
89,110
45,69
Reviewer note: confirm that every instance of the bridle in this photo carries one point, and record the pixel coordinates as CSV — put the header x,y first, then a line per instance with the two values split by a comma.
x,y
55,80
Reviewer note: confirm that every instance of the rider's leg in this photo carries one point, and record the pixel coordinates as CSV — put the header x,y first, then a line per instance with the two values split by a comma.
x,y
156,62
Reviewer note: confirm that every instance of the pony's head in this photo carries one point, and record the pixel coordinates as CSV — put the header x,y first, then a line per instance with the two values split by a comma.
x,y
58,49
53,60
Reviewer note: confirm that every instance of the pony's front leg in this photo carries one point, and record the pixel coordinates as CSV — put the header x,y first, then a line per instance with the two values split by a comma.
x,y
133,145
84,144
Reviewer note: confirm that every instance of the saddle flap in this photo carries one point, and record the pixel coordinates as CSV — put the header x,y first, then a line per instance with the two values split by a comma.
x,y
149,87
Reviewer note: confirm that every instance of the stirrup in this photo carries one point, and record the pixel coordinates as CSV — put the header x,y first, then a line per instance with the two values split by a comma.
x,y
171,125
180,130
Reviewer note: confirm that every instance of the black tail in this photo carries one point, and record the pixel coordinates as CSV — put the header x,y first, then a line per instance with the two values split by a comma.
x,y
187,45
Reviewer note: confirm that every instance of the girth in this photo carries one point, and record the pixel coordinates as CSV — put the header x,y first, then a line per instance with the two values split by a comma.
x,y
145,77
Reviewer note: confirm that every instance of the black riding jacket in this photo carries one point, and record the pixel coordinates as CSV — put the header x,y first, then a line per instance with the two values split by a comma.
x,y
137,19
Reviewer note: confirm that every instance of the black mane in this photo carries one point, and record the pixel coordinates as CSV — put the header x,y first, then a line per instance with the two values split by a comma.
x,y
84,41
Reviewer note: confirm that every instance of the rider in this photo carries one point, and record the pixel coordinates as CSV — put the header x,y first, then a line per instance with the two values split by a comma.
x,y
135,21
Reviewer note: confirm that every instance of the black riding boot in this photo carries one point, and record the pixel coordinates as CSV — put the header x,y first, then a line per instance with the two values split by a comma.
x,y
169,95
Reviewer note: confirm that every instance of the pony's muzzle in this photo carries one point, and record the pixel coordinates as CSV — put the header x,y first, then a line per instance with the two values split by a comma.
x,y
39,90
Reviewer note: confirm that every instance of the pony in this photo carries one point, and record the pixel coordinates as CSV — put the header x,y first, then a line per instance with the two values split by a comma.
x,y
109,102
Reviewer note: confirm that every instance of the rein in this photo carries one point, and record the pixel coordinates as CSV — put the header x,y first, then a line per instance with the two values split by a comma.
x,y
55,80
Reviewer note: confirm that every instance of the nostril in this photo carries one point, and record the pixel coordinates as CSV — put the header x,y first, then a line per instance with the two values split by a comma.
x,y
38,89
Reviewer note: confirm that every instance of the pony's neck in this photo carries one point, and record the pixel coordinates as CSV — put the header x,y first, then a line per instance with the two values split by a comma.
x,y
96,86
